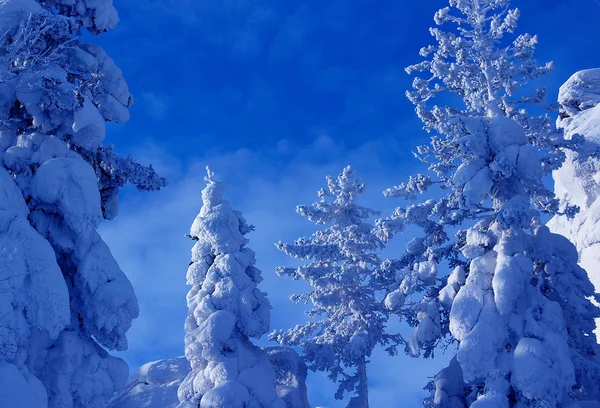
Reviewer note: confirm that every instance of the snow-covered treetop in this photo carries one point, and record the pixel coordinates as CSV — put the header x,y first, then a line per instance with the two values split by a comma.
x,y
473,61
212,195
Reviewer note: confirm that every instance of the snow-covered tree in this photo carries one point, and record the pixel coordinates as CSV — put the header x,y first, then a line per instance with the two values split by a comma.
x,y
64,300
347,316
226,310
518,304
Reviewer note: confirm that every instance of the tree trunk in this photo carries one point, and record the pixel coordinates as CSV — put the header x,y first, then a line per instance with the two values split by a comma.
x,y
363,391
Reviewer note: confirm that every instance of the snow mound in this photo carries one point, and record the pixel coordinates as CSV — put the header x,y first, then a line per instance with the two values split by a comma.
x,y
155,384
580,92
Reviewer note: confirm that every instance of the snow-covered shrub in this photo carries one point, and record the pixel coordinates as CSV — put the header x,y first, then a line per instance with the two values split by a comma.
x,y
154,385
517,302
347,319
226,310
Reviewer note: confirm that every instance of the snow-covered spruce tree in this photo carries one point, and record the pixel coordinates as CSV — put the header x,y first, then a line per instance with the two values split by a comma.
x,y
519,309
226,310
64,299
347,318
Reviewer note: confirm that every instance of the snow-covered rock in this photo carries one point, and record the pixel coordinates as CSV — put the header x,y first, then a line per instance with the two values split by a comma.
x,y
155,384
578,181
290,376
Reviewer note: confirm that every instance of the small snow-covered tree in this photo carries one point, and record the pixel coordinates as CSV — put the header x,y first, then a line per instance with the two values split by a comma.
x,y
347,318
519,304
226,310
64,300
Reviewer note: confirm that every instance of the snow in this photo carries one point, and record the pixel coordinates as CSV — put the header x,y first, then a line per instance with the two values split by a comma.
x,y
448,387
290,376
71,185
95,15
109,304
581,92
226,310
18,389
27,264
155,384
532,361
577,181
88,126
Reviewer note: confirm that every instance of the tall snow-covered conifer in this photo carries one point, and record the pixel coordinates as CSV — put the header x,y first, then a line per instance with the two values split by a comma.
x,y
226,310
517,302
64,300
347,317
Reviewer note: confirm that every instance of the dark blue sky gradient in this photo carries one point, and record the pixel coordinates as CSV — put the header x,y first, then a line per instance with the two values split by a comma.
x,y
241,73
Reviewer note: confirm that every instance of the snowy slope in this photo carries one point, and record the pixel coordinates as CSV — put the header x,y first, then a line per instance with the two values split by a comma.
x,y
578,181
155,384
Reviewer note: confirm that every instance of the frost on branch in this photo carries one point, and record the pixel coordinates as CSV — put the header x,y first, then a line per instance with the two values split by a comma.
x,y
347,319
518,303
226,310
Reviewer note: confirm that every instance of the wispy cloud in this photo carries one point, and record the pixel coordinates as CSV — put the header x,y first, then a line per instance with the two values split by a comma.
x,y
155,106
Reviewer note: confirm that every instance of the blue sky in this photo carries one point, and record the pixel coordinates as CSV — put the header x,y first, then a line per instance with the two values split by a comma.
x,y
275,95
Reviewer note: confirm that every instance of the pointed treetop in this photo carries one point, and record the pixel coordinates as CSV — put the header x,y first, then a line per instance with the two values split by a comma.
x,y
210,175
347,186
212,194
